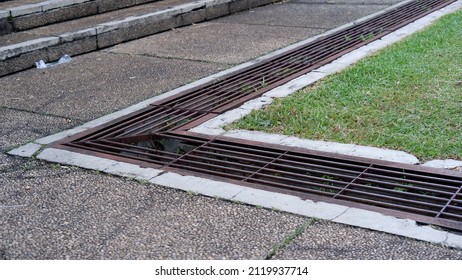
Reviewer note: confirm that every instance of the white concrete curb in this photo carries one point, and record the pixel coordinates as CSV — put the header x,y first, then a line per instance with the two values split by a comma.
x,y
447,164
95,163
324,146
24,47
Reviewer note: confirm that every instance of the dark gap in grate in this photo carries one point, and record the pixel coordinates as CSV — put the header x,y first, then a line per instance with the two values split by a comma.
x,y
156,136
159,148
153,119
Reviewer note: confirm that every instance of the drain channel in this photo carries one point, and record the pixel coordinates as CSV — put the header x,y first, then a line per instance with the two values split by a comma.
x,y
157,136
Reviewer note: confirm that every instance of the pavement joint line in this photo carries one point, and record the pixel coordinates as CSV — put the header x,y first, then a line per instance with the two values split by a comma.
x,y
39,113
447,237
300,230
340,214
232,198
288,203
278,25
169,57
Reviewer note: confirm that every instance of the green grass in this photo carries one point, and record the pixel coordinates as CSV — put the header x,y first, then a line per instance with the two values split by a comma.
x,y
406,97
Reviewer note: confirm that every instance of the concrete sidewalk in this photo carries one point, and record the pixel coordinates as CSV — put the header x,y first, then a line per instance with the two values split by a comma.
x,y
49,211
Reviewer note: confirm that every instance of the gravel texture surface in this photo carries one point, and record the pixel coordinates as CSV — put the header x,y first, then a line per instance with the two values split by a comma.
x,y
58,212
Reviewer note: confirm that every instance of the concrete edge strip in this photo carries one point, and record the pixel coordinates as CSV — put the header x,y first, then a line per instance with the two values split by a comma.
x,y
29,46
4,14
157,15
99,164
45,6
287,203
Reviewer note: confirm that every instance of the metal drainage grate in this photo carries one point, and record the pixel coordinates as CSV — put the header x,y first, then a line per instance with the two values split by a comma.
x,y
436,198
404,190
157,136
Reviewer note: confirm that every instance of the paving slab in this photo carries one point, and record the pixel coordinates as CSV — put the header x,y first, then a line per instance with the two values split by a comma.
x,y
207,228
57,212
324,240
237,44
303,15
19,127
98,83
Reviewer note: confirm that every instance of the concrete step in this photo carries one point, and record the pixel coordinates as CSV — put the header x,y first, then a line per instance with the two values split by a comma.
x,y
93,21
27,14
20,50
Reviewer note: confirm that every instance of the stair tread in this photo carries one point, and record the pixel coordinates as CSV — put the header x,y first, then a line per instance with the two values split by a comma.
x,y
87,22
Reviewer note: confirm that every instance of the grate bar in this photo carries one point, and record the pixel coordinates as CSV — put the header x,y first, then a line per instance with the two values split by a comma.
x,y
264,167
451,200
354,180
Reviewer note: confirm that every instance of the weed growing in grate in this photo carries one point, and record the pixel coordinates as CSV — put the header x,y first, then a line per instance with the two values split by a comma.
x,y
286,71
324,190
247,89
263,83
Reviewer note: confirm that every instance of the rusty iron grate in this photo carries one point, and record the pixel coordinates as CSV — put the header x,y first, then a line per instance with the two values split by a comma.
x,y
405,190
434,196
157,136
